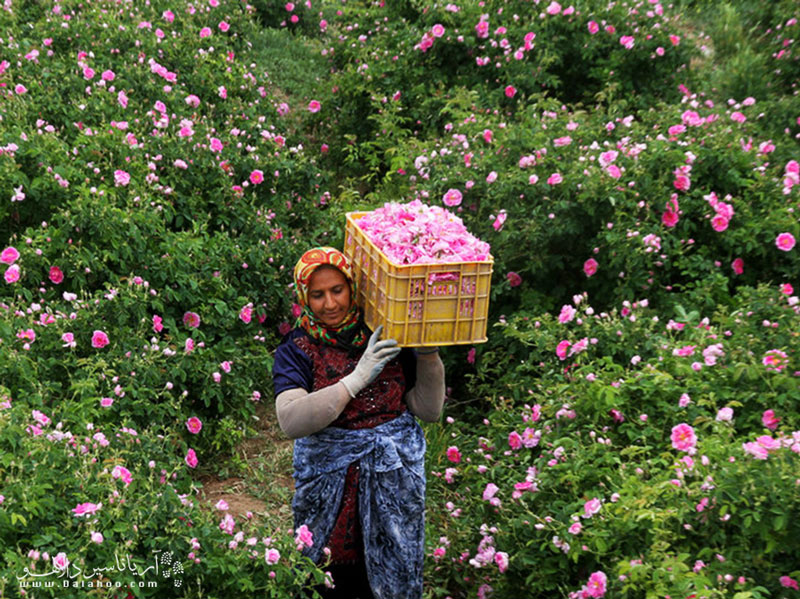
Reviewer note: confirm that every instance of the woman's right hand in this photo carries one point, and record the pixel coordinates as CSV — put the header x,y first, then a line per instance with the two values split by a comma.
x,y
375,357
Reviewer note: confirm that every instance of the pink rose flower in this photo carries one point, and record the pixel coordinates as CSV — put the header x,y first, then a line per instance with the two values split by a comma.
x,y
246,313
453,197
785,242
555,179
191,458
191,319
590,267
99,339
56,276
596,586
769,420
314,106
121,178
12,274
121,472
86,509
514,280
256,177
683,437
453,454
194,425
738,266
303,536
9,255
561,349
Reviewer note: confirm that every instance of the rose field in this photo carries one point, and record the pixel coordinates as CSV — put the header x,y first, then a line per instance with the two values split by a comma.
x,y
629,430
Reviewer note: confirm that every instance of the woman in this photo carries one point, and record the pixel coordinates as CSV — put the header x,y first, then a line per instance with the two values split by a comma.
x,y
349,401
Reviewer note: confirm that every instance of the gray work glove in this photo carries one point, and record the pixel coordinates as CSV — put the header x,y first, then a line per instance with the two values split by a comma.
x,y
375,357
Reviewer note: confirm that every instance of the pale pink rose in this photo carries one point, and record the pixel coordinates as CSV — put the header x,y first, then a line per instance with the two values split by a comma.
x,y
99,339
60,561
592,507
627,41
553,8
683,437
121,178
593,27
246,313
304,537
452,198
738,117
12,274
9,255
314,106
223,26
194,425
490,491
88,73
205,32
191,458
96,537
567,314
596,586
437,30
107,402
785,242
20,89
215,144
590,267
86,509
724,414
122,473
555,179
191,319
501,559
575,528
272,556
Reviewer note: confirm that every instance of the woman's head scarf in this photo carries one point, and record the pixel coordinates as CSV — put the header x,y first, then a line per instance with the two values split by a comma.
x,y
351,332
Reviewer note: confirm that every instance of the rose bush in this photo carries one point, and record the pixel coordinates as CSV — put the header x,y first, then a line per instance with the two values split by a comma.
x,y
662,452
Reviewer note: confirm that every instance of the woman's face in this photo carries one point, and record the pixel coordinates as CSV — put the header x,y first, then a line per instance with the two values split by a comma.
x,y
328,295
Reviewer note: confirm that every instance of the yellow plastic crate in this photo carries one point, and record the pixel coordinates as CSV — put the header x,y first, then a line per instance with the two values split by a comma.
x,y
419,304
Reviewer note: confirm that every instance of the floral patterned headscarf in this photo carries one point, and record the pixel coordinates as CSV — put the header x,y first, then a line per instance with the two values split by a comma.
x,y
351,332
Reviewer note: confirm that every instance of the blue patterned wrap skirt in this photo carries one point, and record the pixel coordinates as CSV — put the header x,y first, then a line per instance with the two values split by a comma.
x,y
391,498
